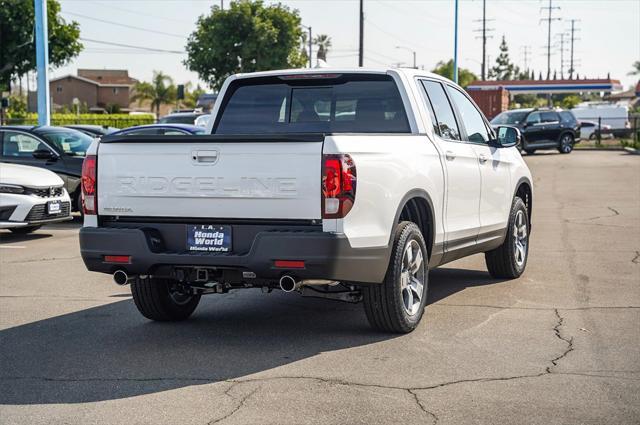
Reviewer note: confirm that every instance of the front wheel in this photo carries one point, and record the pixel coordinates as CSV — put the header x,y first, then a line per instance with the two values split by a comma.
x,y
158,299
398,303
566,143
510,259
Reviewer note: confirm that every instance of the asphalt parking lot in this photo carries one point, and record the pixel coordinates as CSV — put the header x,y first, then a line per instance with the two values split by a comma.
x,y
561,345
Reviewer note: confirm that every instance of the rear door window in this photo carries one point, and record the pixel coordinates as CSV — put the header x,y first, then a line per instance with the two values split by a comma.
x,y
533,118
549,117
567,117
340,104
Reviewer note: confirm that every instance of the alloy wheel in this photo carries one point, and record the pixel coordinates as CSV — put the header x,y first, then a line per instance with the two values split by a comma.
x,y
412,277
520,238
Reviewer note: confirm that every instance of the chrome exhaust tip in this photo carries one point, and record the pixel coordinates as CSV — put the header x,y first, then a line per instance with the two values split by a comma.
x,y
120,277
288,283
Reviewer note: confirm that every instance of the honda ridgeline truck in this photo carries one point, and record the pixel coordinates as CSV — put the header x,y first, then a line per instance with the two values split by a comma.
x,y
345,184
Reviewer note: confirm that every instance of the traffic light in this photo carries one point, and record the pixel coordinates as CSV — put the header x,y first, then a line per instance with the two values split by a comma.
x,y
180,91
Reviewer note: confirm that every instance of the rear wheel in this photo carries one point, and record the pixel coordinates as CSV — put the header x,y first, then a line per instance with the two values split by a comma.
x,y
398,303
24,230
510,259
530,151
158,299
566,143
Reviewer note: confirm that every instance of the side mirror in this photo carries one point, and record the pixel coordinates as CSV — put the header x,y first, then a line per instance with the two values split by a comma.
x,y
508,137
43,154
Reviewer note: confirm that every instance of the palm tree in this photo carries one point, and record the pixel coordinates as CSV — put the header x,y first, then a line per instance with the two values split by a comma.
x,y
159,91
323,42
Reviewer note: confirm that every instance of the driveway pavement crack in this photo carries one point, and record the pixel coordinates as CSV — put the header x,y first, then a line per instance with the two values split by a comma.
x,y
422,407
568,341
239,406
636,259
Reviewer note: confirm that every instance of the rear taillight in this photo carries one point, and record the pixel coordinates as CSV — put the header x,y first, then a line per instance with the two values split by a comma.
x,y
338,185
89,185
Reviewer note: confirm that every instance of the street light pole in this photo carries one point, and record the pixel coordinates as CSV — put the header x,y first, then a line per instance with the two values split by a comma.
x,y
455,46
361,47
42,61
415,65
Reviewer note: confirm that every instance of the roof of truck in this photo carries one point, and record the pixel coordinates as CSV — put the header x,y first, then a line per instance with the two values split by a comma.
x,y
321,71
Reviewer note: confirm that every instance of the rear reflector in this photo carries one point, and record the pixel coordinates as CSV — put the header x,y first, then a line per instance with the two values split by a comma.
x,y
288,264
120,259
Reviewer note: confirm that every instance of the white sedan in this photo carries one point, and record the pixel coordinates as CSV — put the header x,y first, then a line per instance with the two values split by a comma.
x,y
588,130
31,197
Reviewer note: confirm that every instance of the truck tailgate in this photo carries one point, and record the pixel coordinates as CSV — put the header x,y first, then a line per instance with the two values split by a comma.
x,y
210,177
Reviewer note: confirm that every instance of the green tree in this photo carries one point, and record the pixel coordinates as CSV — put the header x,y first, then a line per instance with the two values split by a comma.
x,y
246,37
570,101
191,96
636,68
465,77
323,42
17,45
504,69
160,91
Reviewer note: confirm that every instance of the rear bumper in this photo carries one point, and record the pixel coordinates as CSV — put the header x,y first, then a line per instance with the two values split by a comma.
x,y
326,255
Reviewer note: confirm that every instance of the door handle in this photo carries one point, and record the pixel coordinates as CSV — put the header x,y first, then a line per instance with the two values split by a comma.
x,y
482,158
205,157
450,155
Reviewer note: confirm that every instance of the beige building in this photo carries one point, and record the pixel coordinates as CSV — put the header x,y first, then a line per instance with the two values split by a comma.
x,y
97,88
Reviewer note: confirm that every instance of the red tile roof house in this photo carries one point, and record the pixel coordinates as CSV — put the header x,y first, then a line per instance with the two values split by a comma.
x,y
98,88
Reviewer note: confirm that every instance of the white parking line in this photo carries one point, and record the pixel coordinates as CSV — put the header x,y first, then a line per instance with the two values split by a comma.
x,y
12,246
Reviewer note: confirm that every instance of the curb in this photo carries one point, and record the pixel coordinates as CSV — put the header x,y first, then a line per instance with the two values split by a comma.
x,y
598,149
632,150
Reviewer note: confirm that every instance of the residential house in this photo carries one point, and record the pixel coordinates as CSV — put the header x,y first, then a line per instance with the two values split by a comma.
x,y
97,88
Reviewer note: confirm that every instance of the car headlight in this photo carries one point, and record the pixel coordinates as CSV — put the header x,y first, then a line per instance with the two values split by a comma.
x,y
11,188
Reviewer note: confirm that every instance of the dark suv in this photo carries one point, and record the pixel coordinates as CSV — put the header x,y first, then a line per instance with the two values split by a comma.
x,y
542,128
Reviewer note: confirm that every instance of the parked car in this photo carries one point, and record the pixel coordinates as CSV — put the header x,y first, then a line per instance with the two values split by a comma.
x,y
93,130
589,130
31,197
58,149
180,118
355,205
160,129
542,128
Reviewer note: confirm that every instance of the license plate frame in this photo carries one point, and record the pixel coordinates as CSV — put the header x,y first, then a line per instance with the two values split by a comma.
x,y
54,208
209,238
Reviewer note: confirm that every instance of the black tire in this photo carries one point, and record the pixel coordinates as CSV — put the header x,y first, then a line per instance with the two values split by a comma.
x,y
530,151
384,304
502,262
155,301
79,203
565,144
24,230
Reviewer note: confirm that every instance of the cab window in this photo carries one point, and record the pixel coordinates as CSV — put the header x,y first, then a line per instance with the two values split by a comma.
x,y
20,145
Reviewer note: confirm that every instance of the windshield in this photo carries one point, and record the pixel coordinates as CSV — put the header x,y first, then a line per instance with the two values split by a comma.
x,y
338,104
509,118
178,119
71,142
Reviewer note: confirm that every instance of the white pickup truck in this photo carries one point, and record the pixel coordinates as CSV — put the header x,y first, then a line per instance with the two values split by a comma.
x,y
348,184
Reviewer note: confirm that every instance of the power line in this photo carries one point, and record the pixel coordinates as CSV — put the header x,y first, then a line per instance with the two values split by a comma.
x,y
526,53
549,19
562,36
133,12
390,34
484,37
150,49
125,25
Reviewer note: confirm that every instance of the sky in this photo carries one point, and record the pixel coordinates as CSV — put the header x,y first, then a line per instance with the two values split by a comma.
x,y
607,32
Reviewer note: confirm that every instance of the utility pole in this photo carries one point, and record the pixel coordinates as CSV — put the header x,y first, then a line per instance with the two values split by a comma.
x,y
484,30
361,48
526,52
562,49
573,39
221,4
455,45
310,48
42,61
549,19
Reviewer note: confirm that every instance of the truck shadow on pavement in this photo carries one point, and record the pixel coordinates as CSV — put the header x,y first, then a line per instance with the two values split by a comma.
x,y
110,352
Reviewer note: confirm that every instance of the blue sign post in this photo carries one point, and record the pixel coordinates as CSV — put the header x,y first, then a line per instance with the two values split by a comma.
x,y
42,61
455,46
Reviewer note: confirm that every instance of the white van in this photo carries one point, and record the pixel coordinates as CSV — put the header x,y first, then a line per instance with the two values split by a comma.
x,y
614,115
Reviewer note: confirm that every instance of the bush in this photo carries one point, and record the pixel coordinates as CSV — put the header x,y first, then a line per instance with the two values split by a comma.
x,y
111,120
